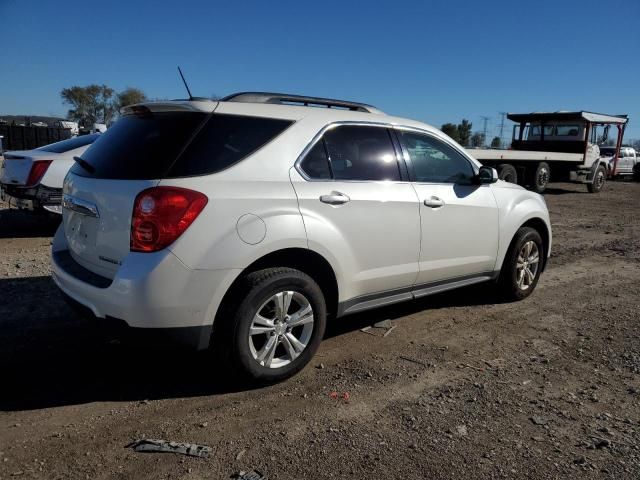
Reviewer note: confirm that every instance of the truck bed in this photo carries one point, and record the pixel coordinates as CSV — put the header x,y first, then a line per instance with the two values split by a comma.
x,y
481,154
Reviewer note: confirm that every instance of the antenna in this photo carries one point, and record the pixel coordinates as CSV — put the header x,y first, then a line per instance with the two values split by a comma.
x,y
185,83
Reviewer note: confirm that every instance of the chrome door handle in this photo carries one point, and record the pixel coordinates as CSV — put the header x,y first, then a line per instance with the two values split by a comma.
x,y
434,202
334,198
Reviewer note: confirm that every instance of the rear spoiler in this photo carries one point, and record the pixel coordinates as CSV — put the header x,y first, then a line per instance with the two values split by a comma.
x,y
206,106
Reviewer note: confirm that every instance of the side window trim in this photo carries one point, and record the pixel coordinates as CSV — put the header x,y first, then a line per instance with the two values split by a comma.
x,y
319,137
407,157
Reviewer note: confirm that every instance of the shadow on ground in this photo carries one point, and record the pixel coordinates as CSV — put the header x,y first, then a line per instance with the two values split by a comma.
x,y
16,223
52,357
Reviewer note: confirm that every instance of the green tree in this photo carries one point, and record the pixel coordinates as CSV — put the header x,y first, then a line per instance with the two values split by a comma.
x,y
451,130
496,142
90,104
129,96
477,140
464,132
98,103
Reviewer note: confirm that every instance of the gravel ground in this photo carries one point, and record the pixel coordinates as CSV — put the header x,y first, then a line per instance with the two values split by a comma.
x,y
463,387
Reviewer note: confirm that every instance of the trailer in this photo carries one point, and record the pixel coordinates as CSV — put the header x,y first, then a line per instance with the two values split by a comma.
x,y
556,146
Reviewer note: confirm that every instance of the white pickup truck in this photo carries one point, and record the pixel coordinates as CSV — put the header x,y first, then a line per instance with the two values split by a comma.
x,y
558,146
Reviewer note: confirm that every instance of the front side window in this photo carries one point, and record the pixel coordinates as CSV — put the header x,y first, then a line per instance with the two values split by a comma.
x,y
434,161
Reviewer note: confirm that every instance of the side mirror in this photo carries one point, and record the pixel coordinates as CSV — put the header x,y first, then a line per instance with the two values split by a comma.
x,y
487,175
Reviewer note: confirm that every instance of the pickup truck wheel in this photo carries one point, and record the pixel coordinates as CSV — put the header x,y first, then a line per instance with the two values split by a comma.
x,y
540,178
599,179
522,265
275,328
507,173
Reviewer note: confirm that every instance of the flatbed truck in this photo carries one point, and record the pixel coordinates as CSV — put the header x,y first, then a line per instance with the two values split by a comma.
x,y
556,146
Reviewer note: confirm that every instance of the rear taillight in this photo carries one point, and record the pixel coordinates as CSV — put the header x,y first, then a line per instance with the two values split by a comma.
x,y
38,169
161,215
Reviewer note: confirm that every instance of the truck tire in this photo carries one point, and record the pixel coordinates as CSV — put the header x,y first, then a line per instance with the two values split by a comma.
x,y
599,179
507,173
540,177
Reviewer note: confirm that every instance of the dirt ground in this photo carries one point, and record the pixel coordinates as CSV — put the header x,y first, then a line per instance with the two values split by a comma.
x,y
462,387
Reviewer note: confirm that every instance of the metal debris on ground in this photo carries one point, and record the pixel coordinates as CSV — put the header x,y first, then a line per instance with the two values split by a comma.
x,y
252,475
163,446
384,324
413,360
389,331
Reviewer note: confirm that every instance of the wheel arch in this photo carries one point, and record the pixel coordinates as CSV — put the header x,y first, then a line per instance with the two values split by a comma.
x,y
303,259
541,227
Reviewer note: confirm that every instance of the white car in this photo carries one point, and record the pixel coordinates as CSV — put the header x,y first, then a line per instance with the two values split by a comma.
x,y
32,179
627,159
243,224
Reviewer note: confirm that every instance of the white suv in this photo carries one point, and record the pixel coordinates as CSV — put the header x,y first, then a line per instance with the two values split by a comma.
x,y
241,225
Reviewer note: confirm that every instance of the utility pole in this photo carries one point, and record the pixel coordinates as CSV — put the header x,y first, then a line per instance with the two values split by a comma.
x,y
484,130
502,114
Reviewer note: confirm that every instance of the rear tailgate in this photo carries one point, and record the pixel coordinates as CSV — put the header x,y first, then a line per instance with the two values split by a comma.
x,y
16,168
100,190
97,220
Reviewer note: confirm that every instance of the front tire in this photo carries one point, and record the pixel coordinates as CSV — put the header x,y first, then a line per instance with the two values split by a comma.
x,y
522,265
273,326
599,179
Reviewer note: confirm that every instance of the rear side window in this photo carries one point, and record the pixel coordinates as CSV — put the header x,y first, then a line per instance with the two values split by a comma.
x,y
176,144
567,130
316,163
361,153
71,144
225,140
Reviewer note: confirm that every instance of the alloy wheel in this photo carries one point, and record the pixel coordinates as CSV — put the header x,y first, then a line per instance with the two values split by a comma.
x,y
281,329
527,265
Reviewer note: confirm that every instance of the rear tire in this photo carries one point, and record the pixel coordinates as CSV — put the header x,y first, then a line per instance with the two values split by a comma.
x,y
522,265
599,179
540,177
507,173
257,335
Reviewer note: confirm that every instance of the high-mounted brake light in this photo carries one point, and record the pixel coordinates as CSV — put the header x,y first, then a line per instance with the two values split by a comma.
x,y
161,215
38,169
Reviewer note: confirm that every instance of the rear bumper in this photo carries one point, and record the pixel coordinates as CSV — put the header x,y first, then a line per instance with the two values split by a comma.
x,y
189,338
151,291
32,198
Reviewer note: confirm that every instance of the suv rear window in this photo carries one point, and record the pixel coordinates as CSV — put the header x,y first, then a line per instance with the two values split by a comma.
x,y
162,144
71,144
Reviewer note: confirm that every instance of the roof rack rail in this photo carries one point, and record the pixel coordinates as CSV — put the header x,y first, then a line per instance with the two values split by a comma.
x,y
289,99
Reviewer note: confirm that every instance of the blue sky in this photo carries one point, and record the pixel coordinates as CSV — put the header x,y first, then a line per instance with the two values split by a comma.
x,y
434,61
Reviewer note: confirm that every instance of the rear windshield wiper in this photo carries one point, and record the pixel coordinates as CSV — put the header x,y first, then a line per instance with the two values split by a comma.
x,y
84,164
